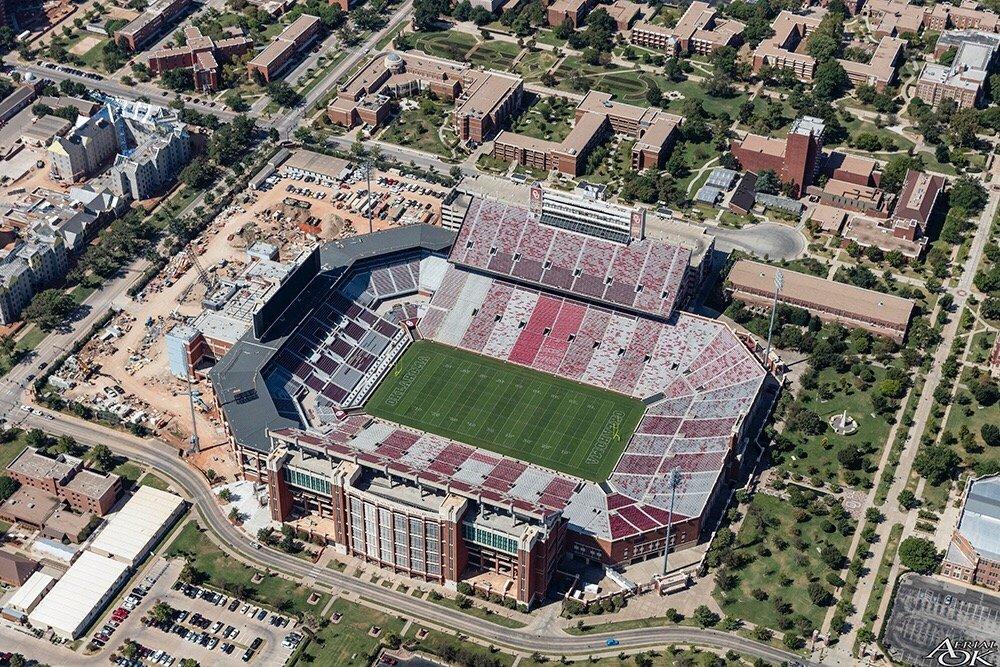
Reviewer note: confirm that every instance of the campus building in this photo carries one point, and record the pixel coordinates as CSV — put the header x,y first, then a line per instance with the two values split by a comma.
x,y
86,149
156,20
484,101
893,18
782,50
65,477
156,147
27,267
794,159
883,314
880,70
964,81
269,63
973,555
701,30
561,285
202,55
597,116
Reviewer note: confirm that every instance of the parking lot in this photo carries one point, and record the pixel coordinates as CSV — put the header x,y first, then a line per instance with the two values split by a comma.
x,y
213,628
927,611
205,625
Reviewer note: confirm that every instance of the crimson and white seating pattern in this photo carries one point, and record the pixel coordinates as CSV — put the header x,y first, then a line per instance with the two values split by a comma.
x,y
645,276
698,379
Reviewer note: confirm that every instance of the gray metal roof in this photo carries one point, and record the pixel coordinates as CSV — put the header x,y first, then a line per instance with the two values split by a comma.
x,y
248,405
980,522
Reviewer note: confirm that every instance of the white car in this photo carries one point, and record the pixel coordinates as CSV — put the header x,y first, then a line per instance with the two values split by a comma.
x,y
26,408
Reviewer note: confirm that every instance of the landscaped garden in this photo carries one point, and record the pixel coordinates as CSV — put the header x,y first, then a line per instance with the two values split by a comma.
x,y
350,640
208,564
420,127
780,570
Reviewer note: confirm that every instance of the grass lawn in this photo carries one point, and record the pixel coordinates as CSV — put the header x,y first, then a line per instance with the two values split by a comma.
x,y
130,472
816,455
348,642
149,479
94,56
4,527
783,572
418,128
477,611
495,55
545,119
450,44
974,416
30,339
981,345
8,450
225,573
695,91
534,64
447,646
508,409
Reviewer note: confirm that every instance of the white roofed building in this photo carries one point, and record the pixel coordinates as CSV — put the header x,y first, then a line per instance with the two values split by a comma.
x,y
137,526
80,595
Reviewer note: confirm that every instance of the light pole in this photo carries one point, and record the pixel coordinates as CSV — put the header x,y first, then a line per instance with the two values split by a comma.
x,y
673,481
779,280
194,425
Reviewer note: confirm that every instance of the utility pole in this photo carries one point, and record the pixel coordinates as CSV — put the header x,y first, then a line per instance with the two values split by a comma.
x,y
673,481
779,281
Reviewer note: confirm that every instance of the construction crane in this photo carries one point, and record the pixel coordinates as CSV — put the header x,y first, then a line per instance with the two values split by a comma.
x,y
203,276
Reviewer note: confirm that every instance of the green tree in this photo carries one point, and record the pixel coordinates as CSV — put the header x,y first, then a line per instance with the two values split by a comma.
x,y
8,486
937,463
162,612
50,309
101,458
919,554
705,617
198,174
968,194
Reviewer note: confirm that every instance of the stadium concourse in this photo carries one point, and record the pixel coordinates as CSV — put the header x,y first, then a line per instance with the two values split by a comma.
x,y
568,288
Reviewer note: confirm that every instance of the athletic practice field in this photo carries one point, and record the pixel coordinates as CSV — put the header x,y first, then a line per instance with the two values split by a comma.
x,y
508,409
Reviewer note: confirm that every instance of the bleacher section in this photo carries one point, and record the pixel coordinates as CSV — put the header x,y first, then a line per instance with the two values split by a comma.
x,y
707,377
340,352
645,276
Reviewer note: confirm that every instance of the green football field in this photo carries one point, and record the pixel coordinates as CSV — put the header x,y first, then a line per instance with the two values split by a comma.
x,y
525,414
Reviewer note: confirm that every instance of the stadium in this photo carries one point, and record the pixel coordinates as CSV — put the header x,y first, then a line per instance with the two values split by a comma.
x,y
476,407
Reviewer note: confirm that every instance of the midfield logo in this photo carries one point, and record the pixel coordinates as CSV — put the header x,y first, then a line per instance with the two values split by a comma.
x,y
964,654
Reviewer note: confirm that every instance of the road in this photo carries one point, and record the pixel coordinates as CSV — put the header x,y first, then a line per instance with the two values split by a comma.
x,y
165,460
287,122
15,382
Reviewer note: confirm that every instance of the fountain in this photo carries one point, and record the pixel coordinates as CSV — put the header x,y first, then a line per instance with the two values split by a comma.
x,y
844,425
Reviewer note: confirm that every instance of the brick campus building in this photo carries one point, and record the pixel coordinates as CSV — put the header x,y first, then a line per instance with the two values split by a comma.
x,y
566,286
484,101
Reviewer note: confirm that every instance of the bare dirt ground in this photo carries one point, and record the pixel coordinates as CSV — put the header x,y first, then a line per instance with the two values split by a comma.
x,y
85,44
328,219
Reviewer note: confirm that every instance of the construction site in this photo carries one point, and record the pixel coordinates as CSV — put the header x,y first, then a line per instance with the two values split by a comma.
x,y
215,284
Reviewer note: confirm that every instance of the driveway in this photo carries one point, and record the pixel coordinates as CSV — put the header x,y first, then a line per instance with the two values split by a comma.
x,y
766,240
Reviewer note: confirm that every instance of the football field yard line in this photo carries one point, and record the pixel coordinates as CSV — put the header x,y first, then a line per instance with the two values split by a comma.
x,y
506,408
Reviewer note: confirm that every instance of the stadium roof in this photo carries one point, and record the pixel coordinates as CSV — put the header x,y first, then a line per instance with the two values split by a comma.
x,y
131,531
249,408
87,584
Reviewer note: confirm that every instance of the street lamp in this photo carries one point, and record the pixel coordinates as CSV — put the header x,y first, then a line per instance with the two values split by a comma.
x,y
673,481
779,281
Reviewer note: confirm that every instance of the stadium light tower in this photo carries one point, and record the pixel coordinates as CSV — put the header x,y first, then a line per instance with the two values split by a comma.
x,y
673,481
367,158
779,281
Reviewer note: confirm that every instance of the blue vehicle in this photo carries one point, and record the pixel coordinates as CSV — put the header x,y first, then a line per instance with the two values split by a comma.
x,y
612,642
